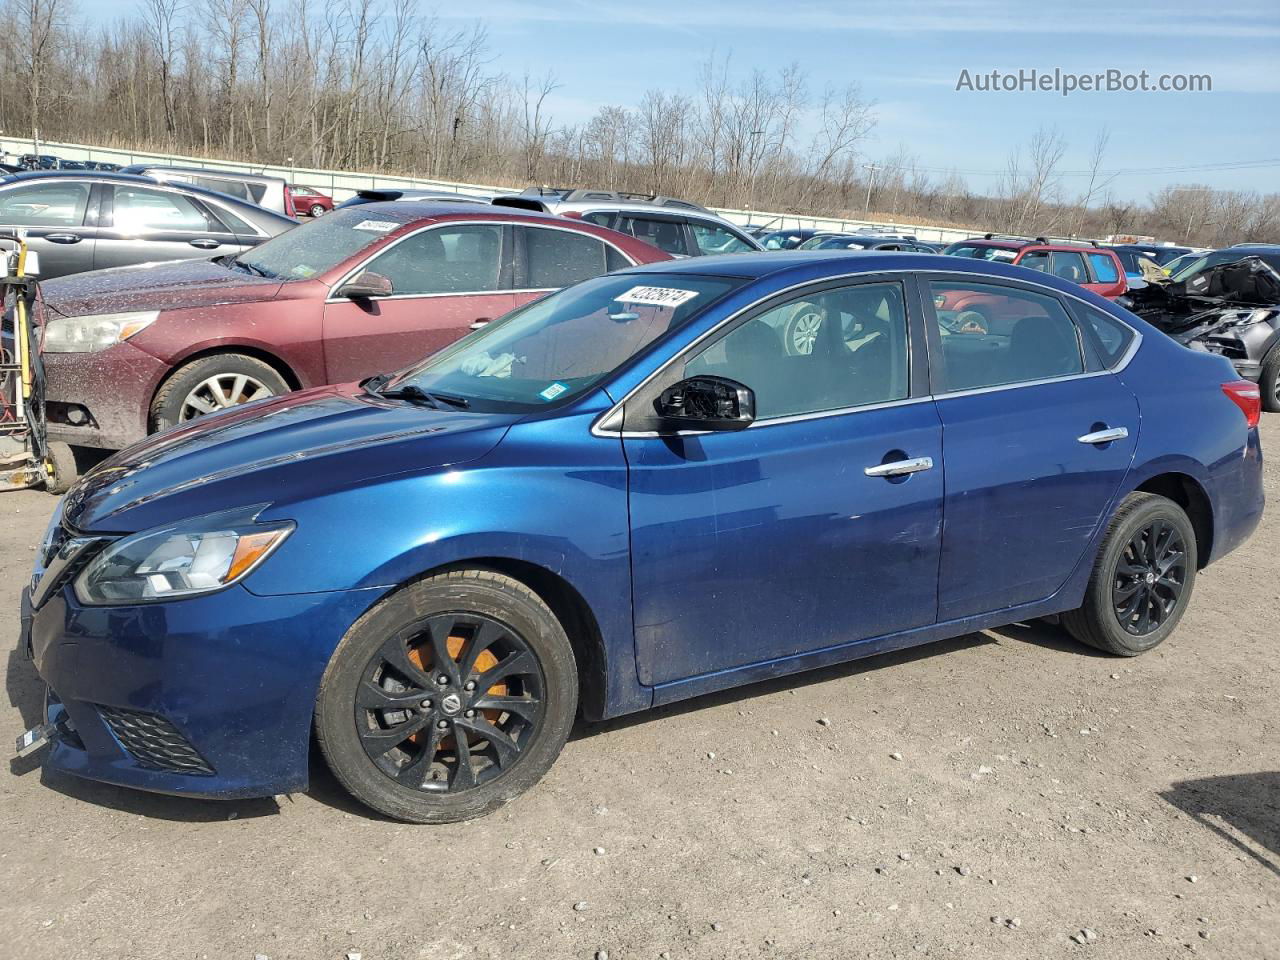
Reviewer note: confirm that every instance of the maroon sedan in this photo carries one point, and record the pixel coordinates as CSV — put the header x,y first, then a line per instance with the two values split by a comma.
x,y
364,290
309,200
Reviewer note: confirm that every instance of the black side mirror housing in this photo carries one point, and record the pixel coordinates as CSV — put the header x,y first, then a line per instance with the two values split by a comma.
x,y
706,403
366,285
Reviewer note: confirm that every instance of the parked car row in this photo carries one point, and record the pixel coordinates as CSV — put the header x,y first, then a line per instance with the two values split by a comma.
x,y
382,281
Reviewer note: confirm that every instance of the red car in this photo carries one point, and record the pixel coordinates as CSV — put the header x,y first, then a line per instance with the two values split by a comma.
x,y
1095,268
361,291
309,201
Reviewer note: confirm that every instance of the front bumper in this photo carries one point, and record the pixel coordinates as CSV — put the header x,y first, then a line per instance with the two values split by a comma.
x,y
207,697
1245,346
113,388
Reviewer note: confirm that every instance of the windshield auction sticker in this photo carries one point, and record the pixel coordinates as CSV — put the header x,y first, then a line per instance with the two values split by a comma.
x,y
376,226
657,296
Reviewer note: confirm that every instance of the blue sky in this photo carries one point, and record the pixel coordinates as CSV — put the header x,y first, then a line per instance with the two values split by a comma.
x,y
907,56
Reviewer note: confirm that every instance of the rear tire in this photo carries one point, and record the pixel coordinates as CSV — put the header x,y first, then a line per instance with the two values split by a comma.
x,y
1269,381
388,725
213,383
1142,579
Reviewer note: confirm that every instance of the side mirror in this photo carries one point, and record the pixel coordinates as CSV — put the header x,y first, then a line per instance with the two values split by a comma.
x,y
365,285
707,403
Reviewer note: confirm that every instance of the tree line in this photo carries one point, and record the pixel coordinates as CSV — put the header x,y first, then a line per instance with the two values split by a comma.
x,y
379,85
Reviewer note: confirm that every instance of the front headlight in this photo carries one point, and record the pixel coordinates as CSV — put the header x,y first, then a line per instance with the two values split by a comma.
x,y
1245,318
94,333
181,560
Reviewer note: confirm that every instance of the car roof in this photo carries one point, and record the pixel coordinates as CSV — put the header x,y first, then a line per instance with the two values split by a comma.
x,y
808,265
114,175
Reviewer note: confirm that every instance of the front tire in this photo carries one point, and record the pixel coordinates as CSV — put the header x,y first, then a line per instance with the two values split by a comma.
x,y
317,210
1142,579
211,384
1269,381
448,699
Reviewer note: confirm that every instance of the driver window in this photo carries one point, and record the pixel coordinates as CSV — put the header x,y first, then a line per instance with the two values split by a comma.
x,y
826,351
462,259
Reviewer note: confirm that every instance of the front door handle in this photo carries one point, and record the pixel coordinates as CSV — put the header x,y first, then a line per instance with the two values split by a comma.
x,y
899,468
204,243
1105,436
62,238
479,322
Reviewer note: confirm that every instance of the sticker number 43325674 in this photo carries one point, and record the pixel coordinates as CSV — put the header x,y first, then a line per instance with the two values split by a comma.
x,y
657,296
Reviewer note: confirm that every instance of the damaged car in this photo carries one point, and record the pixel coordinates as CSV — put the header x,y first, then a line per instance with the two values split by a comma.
x,y
1228,303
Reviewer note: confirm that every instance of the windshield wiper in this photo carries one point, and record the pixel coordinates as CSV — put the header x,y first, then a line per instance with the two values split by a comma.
x,y
254,269
415,394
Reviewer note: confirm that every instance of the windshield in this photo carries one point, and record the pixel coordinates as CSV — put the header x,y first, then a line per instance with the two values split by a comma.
x,y
843,243
559,347
316,246
1197,264
979,252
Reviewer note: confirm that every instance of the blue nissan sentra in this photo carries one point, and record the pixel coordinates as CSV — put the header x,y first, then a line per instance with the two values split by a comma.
x,y
648,486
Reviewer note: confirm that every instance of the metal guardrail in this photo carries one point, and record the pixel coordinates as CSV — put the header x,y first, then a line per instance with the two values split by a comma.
x,y
341,185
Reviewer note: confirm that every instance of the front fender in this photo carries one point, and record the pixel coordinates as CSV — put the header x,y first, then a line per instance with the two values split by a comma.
x,y
550,494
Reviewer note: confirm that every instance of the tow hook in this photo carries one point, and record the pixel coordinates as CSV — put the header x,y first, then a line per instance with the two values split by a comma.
x,y
39,735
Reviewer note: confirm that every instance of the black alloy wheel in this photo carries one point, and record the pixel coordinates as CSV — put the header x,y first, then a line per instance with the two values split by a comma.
x,y
449,702
1149,578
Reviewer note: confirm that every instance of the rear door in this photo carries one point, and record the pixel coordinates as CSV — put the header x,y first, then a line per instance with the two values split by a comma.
x,y
1037,438
140,224
548,258
446,279
58,215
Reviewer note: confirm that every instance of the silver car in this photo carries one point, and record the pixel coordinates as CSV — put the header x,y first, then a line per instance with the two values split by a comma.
x,y
681,228
87,220
266,191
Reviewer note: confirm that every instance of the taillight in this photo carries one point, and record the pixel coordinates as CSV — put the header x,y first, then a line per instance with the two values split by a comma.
x,y
1245,395
576,215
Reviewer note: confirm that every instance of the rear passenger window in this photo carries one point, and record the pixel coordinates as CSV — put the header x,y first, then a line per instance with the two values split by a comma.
x,y
994,335
826,351
666,235
1068,266
1104,268
1114,337
557,258
712,239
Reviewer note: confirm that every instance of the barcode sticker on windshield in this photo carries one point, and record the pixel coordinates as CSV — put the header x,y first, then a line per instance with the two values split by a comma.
x,y
657,296
376,226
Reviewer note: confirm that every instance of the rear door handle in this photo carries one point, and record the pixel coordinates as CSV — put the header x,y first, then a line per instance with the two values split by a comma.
x,y
204,243
1105,436
479,322
899,468
62,237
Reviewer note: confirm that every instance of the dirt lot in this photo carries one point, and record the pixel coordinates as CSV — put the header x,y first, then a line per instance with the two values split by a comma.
x,y
986,797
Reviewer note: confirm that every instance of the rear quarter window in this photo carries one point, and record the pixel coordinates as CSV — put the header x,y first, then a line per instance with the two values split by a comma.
x,y
1112,337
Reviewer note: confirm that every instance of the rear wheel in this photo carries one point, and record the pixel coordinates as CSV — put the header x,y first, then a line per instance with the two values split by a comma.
x,y
1142,579
211,384
801,329
449,698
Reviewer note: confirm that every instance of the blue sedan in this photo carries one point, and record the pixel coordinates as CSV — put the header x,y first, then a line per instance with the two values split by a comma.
x,y
625,494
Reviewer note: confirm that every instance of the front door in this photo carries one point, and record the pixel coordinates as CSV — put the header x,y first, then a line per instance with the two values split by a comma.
x,y
143,224
810,528
1036,444
446,281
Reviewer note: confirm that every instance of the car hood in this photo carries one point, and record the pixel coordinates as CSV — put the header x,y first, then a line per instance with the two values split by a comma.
x,y
169,285
279,450
1178,306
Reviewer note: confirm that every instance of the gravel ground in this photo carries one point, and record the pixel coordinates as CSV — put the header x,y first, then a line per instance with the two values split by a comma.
x,y
990,796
